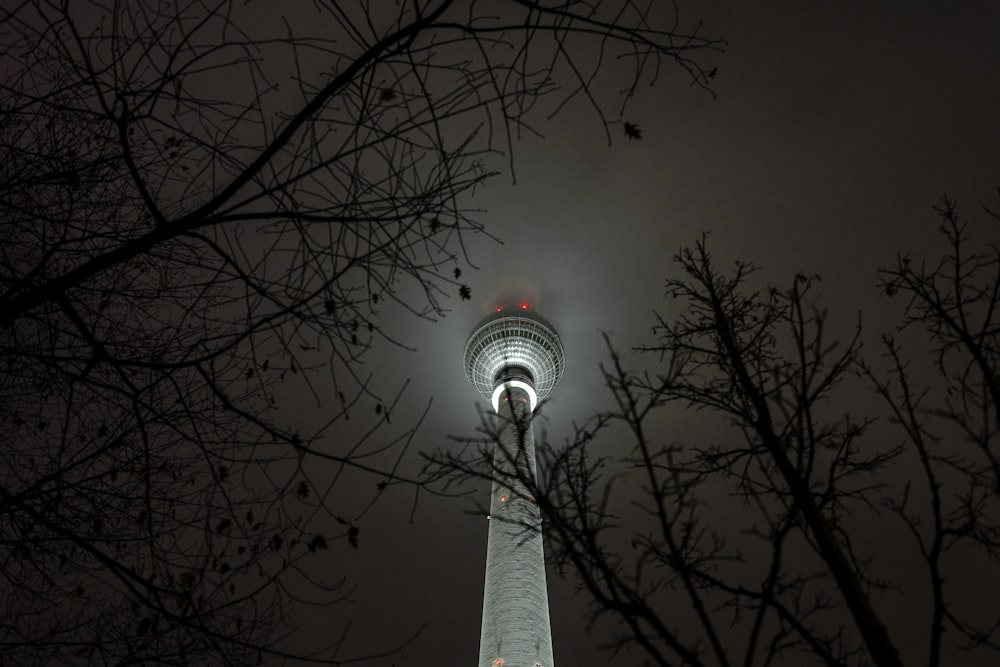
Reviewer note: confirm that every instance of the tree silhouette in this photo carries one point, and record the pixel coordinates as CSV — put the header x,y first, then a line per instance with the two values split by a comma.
x,y
205,209
784,535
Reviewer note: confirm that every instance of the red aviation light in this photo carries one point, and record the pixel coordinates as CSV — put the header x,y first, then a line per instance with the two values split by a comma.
x,y
524,306
499,309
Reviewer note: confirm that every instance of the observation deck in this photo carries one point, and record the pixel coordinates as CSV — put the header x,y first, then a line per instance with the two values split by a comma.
x,y
514,346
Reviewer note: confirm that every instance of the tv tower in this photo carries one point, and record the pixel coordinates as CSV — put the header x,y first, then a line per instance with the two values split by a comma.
x,y
514,358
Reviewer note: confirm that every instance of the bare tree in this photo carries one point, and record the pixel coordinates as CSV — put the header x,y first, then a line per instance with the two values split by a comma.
x,y
205,208
784,535
949,410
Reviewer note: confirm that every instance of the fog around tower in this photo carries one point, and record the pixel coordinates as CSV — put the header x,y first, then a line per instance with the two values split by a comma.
x,y
835,130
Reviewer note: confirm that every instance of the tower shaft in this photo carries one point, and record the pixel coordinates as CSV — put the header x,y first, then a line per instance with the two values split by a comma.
x,y
515,630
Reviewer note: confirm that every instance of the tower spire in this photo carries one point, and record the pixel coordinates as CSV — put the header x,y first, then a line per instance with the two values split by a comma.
x,y
514,358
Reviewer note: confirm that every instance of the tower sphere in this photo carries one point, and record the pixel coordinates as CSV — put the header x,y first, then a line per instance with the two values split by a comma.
x,y
517,347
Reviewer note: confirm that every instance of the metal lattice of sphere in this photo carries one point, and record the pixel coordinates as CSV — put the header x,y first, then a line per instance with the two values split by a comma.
x,y
508,342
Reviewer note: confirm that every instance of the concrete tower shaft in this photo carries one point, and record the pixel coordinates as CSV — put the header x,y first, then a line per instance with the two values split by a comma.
x,y
514,360
515,626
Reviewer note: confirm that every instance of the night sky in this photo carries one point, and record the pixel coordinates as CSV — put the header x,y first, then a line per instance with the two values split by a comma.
x,y
835,128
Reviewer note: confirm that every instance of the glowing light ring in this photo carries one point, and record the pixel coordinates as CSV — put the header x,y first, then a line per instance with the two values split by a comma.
x,y
516,340
502,387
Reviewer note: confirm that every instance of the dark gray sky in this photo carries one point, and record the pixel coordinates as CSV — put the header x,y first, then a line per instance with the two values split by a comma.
x,y
836,127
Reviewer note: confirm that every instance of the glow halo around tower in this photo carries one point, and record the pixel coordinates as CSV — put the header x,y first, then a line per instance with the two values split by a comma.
x,y
515,341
